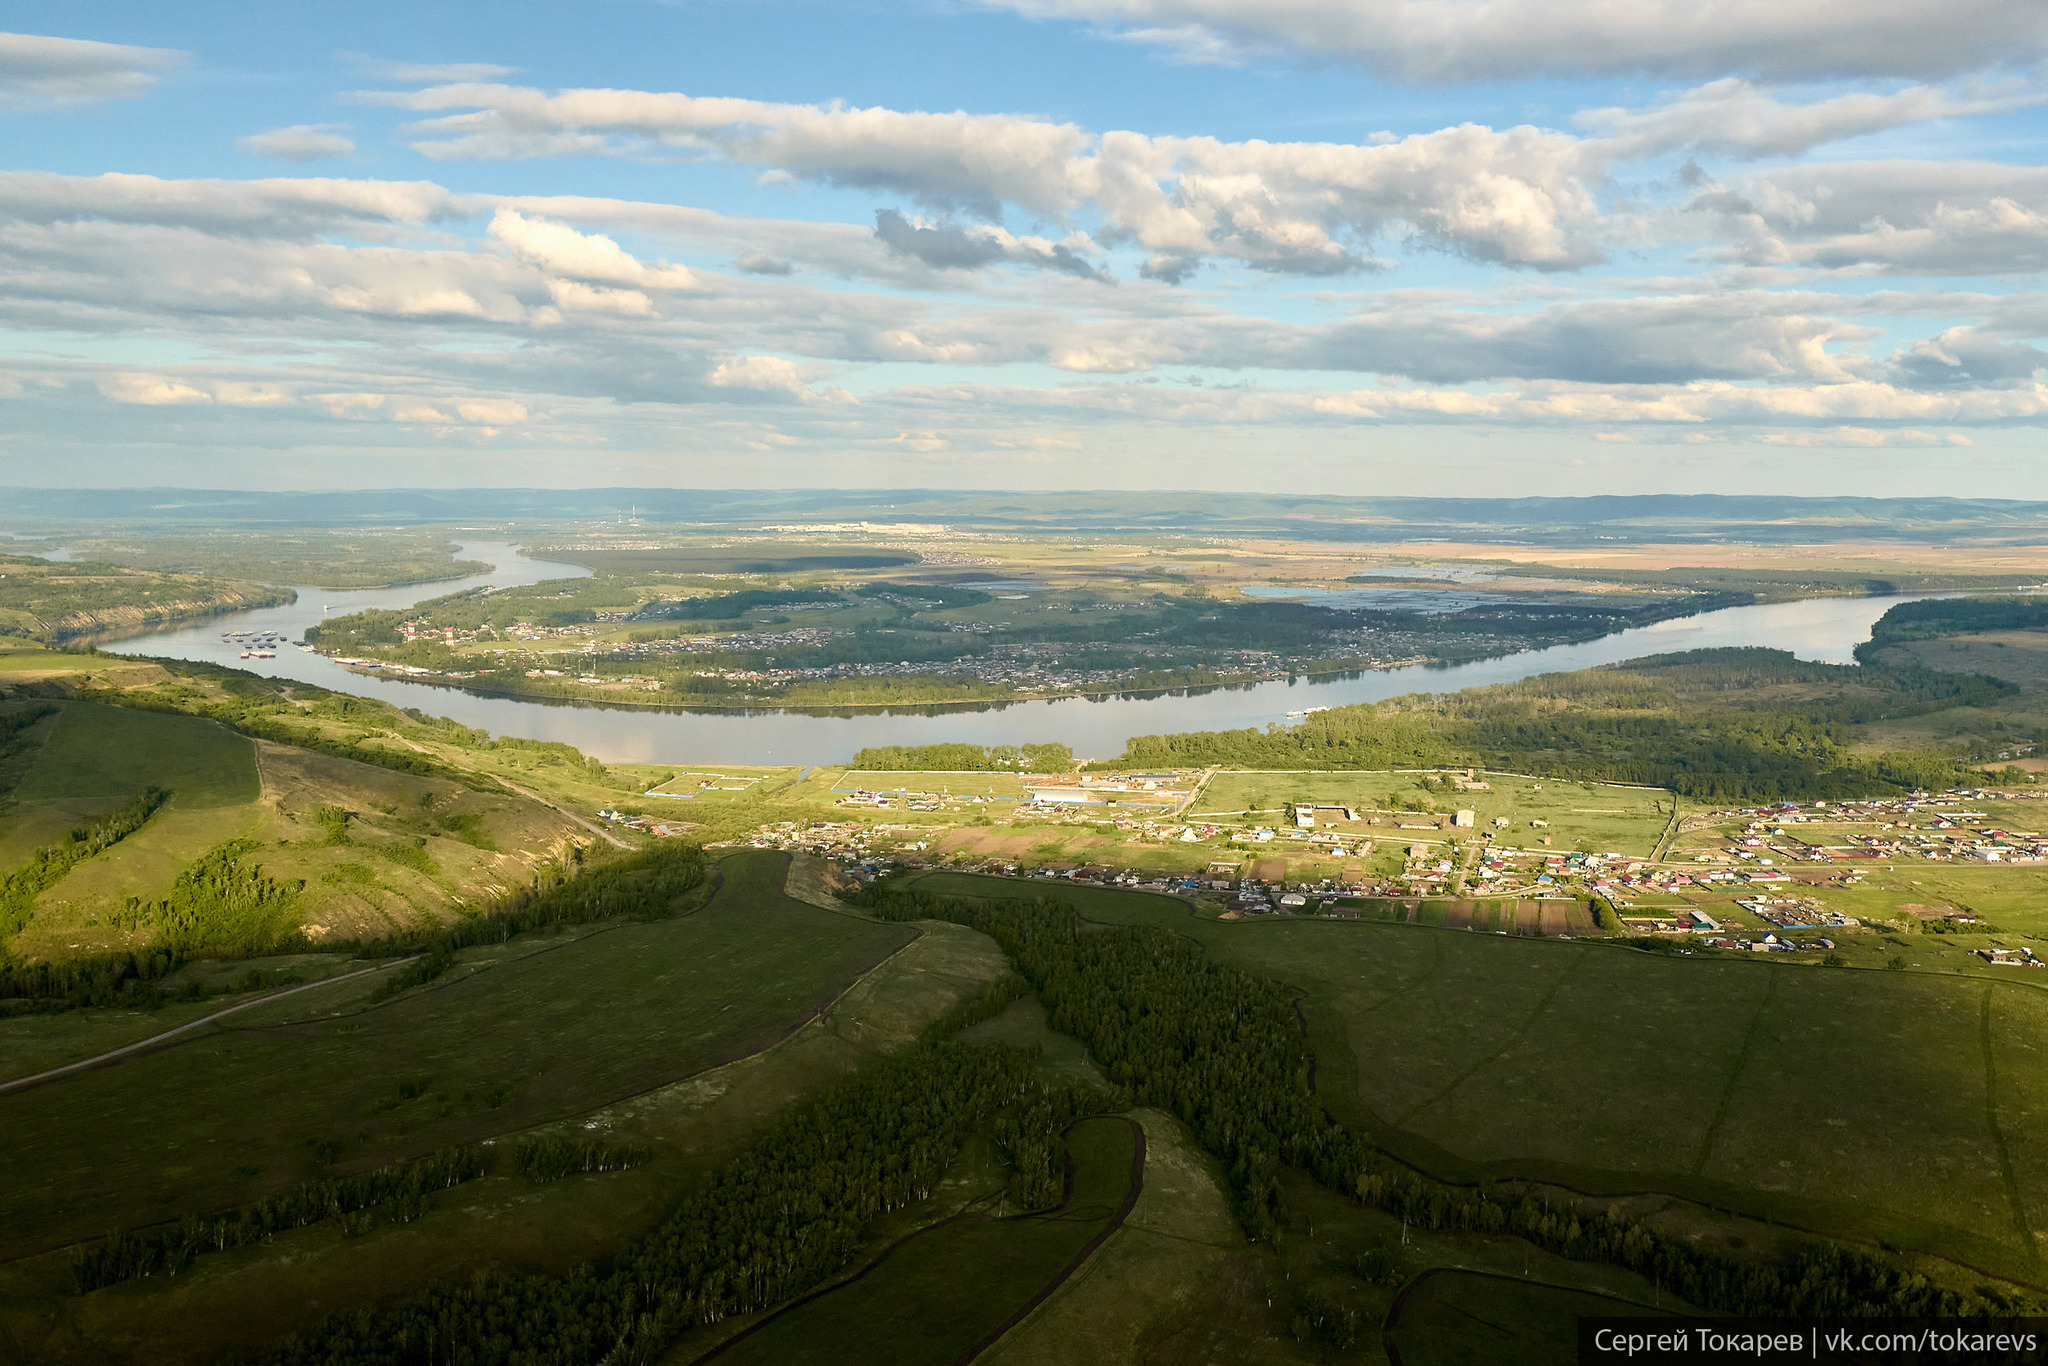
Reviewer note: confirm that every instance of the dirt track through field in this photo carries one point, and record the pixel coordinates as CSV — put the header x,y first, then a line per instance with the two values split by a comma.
x,y
2005,1170
113,1055
1450,1088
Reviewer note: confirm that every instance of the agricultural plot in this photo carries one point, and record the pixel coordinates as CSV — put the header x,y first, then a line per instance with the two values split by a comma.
x,y
1884,1105
943,1291
1597,817
712,784
526,1038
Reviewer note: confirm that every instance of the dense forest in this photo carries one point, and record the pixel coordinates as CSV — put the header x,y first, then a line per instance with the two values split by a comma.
x,y
1931,618
1225,1053
1711,724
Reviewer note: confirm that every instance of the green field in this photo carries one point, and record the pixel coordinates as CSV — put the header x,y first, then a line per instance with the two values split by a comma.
x,y
908,1309
1597,817
106,753
1895,1106
534,1037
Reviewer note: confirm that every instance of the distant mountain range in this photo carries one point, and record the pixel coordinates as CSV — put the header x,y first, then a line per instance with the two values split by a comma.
x,y
1535,521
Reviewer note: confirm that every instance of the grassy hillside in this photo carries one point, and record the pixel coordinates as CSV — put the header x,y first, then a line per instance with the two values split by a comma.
x,y
40,600
351,849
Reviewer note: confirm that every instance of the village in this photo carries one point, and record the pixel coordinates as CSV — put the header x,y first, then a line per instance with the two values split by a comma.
x,y
1798,878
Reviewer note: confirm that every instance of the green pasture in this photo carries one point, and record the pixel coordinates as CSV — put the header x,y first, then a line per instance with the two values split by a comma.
x,y
727,783
941,1291
1594,816
531,1037
1901,1106
109,753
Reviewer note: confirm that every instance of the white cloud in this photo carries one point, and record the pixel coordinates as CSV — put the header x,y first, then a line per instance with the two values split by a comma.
x,y
298,208
495,412
1865,437
563,251
770,373
1735,118
1459,40
38,72
300,142
1906,217
1518,196
945,246
150,390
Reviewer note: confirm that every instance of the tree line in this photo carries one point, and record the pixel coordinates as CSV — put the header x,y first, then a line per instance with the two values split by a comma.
x,y
1227,1055
952,758
1710,724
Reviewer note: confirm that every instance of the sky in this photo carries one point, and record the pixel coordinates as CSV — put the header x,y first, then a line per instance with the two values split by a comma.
x,y
1369,247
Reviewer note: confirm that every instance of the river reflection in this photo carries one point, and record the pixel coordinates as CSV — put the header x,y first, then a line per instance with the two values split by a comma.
x,y
1824,629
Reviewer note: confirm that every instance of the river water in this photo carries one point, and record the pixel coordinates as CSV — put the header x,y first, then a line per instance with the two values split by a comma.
x,y
1824,629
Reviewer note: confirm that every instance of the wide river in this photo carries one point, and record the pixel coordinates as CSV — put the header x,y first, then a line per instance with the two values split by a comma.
x,y
1824,629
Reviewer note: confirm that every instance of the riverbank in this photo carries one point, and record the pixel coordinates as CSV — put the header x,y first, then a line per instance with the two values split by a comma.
x,y
1099,724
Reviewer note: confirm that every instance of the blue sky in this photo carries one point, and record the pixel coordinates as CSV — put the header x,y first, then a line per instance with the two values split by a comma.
x,y
1366,246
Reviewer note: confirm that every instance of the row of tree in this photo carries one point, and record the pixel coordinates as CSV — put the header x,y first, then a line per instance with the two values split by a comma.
x,y
1226,1053
127,979
401,1189
954,758
551,1159
20,888
223,903
223,906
